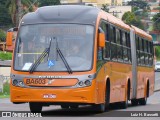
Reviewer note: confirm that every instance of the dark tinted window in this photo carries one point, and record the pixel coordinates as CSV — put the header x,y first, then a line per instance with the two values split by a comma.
x,y
118,36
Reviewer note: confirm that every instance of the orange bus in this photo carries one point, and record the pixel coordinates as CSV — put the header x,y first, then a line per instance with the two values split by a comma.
x,y
73,55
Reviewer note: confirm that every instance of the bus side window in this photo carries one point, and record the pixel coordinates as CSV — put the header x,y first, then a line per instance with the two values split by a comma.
x,y
113,44
142,52
105,28
129,48
119,45
100,50
139,52
107,45
151,54
124,41
146,52
137,49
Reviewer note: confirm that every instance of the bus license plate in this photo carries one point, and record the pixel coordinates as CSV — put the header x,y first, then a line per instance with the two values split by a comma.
x,y
49,96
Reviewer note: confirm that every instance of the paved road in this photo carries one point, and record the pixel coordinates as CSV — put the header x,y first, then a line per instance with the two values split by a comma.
x,y
157,80
153,104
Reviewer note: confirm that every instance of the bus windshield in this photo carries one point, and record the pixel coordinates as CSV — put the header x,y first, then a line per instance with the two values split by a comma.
x,y
75,42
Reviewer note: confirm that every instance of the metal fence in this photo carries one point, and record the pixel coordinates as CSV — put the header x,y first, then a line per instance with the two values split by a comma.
x,y
3,79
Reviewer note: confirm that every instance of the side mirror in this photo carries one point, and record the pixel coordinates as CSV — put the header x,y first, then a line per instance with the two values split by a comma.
x,y
9,38
101,40
11,34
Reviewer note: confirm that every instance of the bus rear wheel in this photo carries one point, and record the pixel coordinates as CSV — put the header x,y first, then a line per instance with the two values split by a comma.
x,y
134,102
143,101
124,104
35,107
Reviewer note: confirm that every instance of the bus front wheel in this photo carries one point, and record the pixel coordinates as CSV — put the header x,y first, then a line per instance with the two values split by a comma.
x,y
100,107
35,107
104,106
64,106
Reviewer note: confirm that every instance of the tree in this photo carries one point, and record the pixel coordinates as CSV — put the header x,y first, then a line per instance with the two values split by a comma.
x,y
2,35
5,19
13,9
130,19
105,7
140,4
156,22
48,2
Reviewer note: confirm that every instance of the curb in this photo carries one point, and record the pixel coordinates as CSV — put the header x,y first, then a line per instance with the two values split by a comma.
x,y
157,90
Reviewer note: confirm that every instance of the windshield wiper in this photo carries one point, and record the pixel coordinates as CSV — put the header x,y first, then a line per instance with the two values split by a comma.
x,y
40,58
63,58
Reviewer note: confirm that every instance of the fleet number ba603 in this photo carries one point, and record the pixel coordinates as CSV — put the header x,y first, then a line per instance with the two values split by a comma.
x,y
35,82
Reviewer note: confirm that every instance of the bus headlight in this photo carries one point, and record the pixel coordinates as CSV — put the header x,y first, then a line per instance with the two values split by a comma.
x,y
84,83
87,83
18,83
81,83
15,82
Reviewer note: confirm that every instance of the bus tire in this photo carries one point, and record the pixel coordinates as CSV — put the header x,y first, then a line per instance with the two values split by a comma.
x,y
143,101
104,106
100,107
134,102
107,96
73,106
124,104
64,106
35,107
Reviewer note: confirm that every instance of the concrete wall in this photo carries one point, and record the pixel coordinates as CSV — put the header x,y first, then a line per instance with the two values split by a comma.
x,y
5,71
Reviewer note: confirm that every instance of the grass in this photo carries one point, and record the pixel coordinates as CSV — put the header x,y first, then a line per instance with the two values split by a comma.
x,y
4,96
6,91
158,59
5,56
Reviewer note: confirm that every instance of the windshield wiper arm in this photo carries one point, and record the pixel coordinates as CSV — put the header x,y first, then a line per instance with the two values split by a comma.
x,y
63,58
38,61
40,58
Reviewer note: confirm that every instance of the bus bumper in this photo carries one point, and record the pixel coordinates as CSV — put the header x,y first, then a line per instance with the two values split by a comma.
x,y
72,95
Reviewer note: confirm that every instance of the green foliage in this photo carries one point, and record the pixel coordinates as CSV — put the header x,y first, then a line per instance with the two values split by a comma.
x,y
156,20
5,56
5,19
130,19
105,7
157,8
12,8
29,4
48,2
6,89
140,4
2,35
157,51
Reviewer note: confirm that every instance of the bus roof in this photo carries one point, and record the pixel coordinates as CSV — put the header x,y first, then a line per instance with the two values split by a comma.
x,y
116,21
141,33
62,14
75,14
